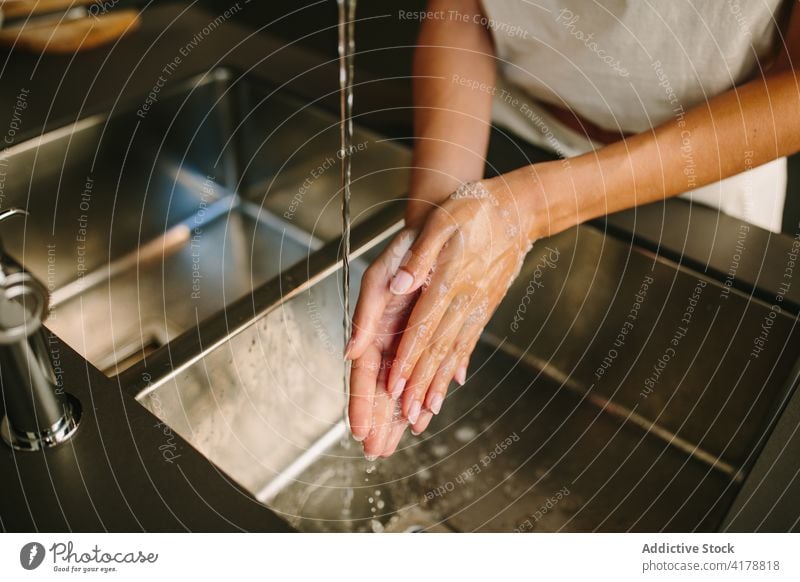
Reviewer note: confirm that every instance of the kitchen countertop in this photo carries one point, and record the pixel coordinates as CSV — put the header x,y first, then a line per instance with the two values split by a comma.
x,y
124,471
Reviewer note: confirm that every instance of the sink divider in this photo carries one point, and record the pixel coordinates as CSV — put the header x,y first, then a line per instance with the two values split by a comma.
x,y
192,345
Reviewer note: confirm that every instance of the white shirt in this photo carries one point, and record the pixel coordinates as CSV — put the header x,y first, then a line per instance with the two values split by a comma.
x,y
630,65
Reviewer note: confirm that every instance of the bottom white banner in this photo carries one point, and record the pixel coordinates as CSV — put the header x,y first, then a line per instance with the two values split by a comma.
x,y
400,556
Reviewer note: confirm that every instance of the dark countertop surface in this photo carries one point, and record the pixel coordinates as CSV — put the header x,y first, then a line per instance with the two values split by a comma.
x,y
124,471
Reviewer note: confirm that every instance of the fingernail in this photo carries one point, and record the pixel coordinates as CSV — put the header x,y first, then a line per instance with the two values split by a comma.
x,y
358,439
401,282
371,458
461,375
398,388
415,433
436,403
413,412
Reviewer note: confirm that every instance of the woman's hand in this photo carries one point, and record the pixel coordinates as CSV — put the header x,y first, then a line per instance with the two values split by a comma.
x,y
467,254
438,289
379,321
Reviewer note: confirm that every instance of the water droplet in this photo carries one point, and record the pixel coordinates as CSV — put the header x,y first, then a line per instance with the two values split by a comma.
x,y
465,434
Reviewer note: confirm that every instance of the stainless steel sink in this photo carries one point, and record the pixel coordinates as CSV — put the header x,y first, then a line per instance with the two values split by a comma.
x,y
610,392
533,442
142,226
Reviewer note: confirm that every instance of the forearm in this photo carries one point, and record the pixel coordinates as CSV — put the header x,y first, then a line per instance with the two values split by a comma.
x,y
451,119
738,130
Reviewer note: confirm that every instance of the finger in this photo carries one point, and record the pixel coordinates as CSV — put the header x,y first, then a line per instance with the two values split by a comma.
x,y
459,332
460,375
471,334
363,379
422,324
418,262
432,356
383,373
422,423
434,398
374,294
456,364
382,422
394,437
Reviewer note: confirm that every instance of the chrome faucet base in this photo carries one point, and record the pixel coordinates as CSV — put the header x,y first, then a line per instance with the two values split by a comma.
x,y
60,432
38,414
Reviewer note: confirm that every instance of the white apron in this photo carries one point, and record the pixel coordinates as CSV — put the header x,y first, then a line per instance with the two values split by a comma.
x,y
630,66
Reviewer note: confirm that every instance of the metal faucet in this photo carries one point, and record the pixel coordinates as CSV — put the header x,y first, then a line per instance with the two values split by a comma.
x,y
39,414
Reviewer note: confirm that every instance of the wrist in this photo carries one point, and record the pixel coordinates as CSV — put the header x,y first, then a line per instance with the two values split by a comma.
x,y
434,178
425,197
557,195
521,195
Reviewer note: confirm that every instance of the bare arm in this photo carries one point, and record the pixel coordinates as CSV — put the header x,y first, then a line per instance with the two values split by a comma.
x,y
451,121
740,129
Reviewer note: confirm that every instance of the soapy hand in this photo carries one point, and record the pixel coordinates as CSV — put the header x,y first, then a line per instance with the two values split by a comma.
x,y
378,325
423,305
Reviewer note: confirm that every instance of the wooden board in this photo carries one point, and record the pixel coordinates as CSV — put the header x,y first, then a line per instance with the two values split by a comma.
x,y
22,8
70,35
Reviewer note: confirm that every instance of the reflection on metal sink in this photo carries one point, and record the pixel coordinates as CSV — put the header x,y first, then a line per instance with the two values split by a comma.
x,y
121,313
145,223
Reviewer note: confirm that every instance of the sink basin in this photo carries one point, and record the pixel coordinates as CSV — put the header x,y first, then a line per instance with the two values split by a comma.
x,y
192,253
534,441
143,225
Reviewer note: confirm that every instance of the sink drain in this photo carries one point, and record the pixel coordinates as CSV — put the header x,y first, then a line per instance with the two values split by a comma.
x,y
416,520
